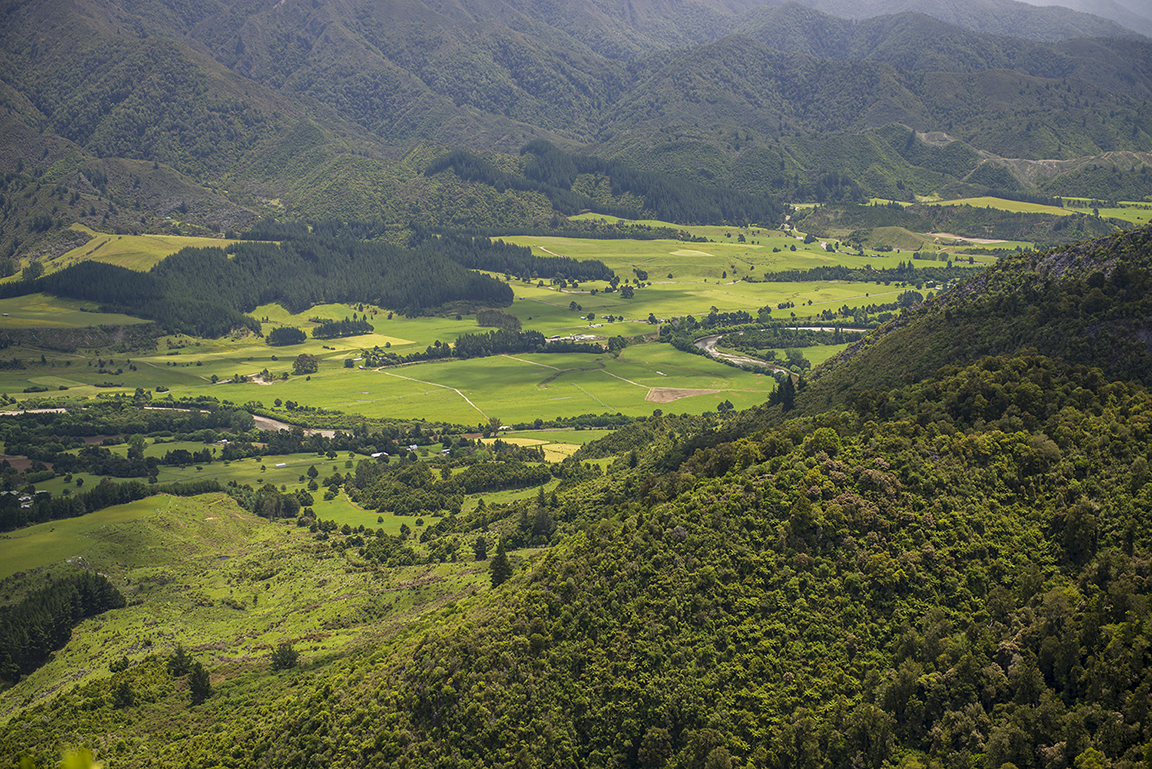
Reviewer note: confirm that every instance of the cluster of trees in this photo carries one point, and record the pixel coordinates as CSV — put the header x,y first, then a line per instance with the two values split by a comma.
x,y
268,501
283,336
180,664
332,329
412,488
497,342
472,249
497,318
782,337
905,272
494,255
503,341
201,291
42,622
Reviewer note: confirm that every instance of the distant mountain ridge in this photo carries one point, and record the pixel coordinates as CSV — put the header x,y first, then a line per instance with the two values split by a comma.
x,y
210,115
997,17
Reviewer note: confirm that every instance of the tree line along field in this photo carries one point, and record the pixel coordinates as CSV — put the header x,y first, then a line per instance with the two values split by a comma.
x,y
288,472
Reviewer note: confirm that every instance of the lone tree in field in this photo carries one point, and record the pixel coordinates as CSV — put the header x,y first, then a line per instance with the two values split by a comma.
x,y
284,657
500,569
480,549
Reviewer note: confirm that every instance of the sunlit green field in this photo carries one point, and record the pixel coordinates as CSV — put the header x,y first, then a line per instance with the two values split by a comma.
x,y
686,279
54,541
136,252
41,311
516,388
1139,212
1001,204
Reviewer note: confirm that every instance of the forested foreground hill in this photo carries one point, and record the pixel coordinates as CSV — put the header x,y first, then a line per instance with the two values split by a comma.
x,y
959,576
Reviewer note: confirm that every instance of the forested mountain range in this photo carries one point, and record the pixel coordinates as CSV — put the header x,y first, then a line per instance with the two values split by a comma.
x,y
144,118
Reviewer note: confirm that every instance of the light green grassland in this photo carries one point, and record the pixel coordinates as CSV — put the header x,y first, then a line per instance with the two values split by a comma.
x,y
1139,212
514,388
228,586
40,311
136,252
1015,206
48,543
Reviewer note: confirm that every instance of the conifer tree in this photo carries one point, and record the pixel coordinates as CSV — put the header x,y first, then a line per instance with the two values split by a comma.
x,y
500,569
199,684
180,663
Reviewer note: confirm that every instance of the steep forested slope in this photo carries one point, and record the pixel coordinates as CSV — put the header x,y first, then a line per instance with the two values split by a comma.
x,y
1088,303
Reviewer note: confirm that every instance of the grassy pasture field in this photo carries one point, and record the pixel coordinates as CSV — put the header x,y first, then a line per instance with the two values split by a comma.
x,y
41,311
516,388
51,542
1014,206
136,252
1138,212
512,388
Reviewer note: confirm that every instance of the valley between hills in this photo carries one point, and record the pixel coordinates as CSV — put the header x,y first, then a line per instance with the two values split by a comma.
x,y
488,384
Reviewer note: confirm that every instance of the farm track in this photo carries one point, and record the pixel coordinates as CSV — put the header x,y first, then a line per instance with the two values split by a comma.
x,y
435,384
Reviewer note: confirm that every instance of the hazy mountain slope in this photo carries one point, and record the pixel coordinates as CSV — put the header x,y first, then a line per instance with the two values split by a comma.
x,y
1133,14
997,17
917,42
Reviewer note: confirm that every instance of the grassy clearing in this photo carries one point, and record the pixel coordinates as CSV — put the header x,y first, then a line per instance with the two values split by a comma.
x,y
135,252
1138,212
229,586
557,445
1015,206
48,543
41,311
